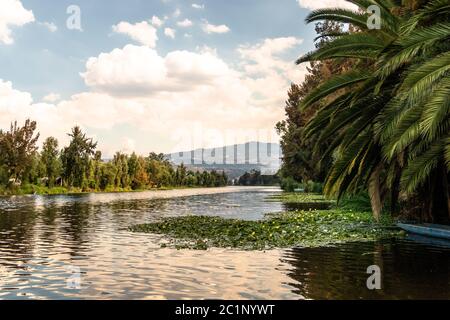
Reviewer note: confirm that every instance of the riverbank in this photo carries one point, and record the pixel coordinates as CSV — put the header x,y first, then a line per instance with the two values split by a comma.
x,y
304,228
41,190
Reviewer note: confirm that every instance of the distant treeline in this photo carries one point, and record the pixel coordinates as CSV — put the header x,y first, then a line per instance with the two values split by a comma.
x,y
80,166
255,178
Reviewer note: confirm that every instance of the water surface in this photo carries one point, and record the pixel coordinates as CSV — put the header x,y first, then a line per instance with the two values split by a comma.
x,y
46,240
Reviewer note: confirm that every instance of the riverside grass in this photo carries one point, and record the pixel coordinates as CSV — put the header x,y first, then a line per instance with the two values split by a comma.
x,y
306,228
30,189
298,197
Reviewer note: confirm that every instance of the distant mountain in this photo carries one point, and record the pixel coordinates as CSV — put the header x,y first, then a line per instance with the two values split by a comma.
x,y
235,160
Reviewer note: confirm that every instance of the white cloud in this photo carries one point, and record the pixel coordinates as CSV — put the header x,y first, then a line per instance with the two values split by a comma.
x,y
12,14
121,71
169,32
52,97
263,56
100,111
141,32
140,71
50,26
267,72
319,4
11,98
56,120
17,105
165,98
157,22
175,90
185,23
211,28
198,6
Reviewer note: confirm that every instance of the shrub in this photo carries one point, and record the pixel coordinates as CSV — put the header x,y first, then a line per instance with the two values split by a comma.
x,y
289,184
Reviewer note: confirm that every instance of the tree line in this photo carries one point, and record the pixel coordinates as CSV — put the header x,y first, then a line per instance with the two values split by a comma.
x,y
374,114
255,178
79,166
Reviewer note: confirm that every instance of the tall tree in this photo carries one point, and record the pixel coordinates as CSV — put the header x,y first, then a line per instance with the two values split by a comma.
x,y
75,158
304,158
50,160
389,114
17,148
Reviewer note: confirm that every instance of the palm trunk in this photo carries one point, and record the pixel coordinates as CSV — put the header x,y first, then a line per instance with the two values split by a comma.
x,y
375,193
395,191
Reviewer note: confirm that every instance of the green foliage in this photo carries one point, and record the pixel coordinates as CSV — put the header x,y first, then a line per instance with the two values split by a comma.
x,y
289,184
300,197
75,158
302,228
351,220
386,116
359,202
51,161
17,148
313,187
80,168
255,178
305,155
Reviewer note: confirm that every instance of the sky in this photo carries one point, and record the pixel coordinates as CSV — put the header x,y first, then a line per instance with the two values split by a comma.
x,y
158,75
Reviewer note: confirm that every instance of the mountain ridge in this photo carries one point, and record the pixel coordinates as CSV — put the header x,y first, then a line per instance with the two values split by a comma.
x,y
235,159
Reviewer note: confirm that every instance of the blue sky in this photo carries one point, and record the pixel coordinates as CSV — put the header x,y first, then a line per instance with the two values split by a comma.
x,y
192,79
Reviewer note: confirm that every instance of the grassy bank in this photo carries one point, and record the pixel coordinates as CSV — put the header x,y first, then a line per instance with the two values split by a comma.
x,y
307,228
32,189
41,190
298,197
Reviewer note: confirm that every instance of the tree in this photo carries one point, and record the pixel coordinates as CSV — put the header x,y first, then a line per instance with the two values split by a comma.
x,y
181,175
140,178
82,166
17,148
388,116
50,160
96,165
304,158
107,176
75,158
120,161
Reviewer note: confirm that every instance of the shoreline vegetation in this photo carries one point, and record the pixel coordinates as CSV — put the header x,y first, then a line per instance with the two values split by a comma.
x,y
305,228
372,114
46,191
80,168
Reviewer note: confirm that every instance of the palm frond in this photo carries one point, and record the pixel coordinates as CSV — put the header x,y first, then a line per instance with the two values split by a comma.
x,y
435,117
418,169
356,45
405,49
334,84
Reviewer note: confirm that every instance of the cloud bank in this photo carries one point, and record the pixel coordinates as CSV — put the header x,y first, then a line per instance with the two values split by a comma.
x,y
12,14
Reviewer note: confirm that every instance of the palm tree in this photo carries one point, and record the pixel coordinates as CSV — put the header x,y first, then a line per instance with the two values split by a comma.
x,y
390,112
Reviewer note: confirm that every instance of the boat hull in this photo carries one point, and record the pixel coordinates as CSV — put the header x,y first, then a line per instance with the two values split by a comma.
x,y
429,230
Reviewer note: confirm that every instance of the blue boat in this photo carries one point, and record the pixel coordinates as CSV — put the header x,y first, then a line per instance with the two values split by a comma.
x,y
427,229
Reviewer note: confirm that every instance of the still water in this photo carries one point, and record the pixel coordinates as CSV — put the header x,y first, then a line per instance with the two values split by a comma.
x,y
77,247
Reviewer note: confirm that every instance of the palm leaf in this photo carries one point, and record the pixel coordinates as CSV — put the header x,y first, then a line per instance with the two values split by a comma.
x,y
356,45
334,84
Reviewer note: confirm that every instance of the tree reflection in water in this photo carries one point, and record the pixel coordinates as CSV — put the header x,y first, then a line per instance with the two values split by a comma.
x,y
410,270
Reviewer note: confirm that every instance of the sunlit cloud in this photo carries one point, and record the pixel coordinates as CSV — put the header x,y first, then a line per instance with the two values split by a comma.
x,y
12,14
142,32
211,28
185,23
